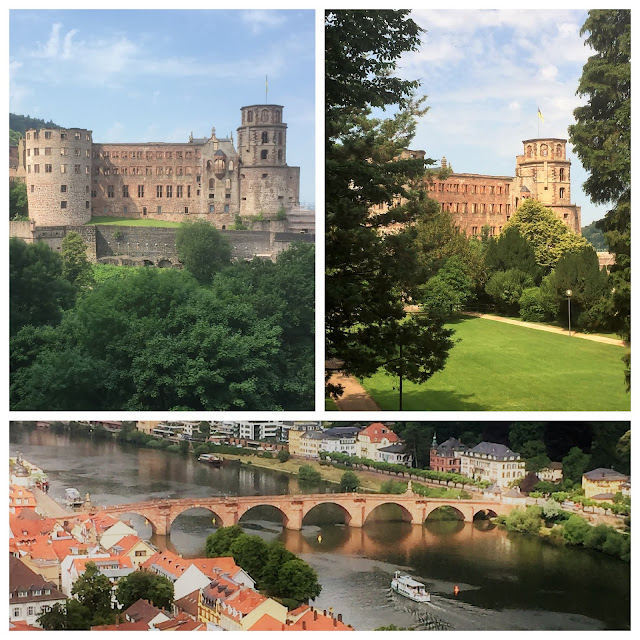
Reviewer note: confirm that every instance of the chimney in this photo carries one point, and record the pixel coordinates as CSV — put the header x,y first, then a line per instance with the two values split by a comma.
x,y
324,613
315,615
304,625
335,622
339,617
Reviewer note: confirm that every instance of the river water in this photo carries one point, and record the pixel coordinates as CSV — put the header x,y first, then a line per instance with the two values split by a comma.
x,y
506,581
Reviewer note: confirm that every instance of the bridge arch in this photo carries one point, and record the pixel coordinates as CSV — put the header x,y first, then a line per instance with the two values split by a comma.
x,y
333,503
369,510
434,511
242,512
216,519
484,514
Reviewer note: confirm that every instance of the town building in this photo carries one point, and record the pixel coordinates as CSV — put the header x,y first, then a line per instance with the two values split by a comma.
x,y
295,437
30,594
340,440
395,454
20,498
494,463
375,436
603,484
446,455
143,611
70,177
552,473
134,548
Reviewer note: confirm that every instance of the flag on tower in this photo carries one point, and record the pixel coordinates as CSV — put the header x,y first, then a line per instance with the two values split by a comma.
x,y
540,114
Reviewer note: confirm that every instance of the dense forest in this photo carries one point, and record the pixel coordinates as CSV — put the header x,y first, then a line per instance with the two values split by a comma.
x,y
595,237
21,123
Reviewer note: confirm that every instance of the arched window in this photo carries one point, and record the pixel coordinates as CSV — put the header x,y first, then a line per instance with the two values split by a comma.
x,y
265,115
263,154
279,137
230,165
559,150
227,184
561,192
280,155
208,165
561,175
249,116
544,150
529,151
218,165
265,137
276,116
212,183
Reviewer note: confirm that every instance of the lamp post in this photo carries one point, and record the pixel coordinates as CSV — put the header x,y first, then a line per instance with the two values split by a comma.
x,y
569,293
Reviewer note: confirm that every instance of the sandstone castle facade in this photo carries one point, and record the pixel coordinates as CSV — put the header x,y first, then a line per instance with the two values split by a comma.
x,y
543,172
70,177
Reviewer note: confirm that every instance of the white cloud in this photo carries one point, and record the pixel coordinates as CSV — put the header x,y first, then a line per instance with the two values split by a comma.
x,y
260,20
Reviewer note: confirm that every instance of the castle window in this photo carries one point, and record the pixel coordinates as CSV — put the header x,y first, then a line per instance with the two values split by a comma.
x,y
559,150
227,195
28,136
148,171
36,168
263,154
227,184
186,209
179,191
140,191
148,155
561,175
179,155
86,204
94,194
28,152
125,190
106,171
168,155
47,168
230,165
474,231
212,208
86,153
187,171
159,209
63,204
264,175
566,216
138,154
115,171
249,116
110,191
32,188
279,137
562,192
508,210
178,171
86,170
529,151
198,178
226,208
187,154
125,210
277,116
159,191
188,191
76,152
211,183
36,152
159,155
47,151
492,190
280,155
63,188
124,155
47,135
265,115
169,191
77,135
159,171
265,137
544,150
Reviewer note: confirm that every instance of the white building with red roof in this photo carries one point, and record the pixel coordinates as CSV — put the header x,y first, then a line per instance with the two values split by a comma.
x,y
374,437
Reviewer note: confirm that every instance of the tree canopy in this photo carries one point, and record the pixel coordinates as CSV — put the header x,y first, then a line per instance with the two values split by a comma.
x,y
370,274
202,249
18,201
93,590
601,137
76,267
147,585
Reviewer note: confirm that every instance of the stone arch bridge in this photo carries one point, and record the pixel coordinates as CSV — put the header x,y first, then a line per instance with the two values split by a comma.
x,y
357,507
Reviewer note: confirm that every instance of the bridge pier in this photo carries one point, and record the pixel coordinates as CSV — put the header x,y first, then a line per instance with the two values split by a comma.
x,y
357,513
293,517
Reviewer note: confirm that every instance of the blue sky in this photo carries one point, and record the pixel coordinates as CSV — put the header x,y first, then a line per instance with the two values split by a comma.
x,y
485,74
144,75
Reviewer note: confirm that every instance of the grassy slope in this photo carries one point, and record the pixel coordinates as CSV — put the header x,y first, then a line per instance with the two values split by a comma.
x,y
502,367
132,222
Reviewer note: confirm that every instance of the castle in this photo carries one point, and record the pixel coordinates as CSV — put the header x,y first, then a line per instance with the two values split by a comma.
x,y
69,177
476,201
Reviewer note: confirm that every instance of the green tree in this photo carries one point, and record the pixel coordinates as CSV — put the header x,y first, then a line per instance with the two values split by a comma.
x,y
147,585
506,287
38,292
306,473
595,237
218,544
76,267
18,201
549,236
349,481
551,509
447,291
535,454
71,616
580,273
510,250
596,536
623,451
277,556
298,581
202,249
369,274
14,137
524,521
601,137
250,552
521,432
204,430
283,455
574,464
575,529
93,590
536,306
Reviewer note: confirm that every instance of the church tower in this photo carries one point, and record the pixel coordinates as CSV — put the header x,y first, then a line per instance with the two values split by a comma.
x,y
543,173
267,184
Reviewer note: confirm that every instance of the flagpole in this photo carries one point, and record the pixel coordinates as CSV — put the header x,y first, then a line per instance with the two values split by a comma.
x,y
266,89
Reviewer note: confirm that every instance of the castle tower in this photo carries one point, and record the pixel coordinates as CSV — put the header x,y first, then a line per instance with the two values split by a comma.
x,y
267,183
57,171
545,172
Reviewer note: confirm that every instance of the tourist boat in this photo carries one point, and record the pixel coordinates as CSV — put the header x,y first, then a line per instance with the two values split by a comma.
x,y
74,499
410,588
210,458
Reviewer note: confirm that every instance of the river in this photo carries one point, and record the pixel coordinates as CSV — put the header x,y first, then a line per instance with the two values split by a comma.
x,y
506,581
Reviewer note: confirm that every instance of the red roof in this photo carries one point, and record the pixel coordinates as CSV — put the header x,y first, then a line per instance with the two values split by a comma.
x,y
378,431
123,626
267,623
182,622
21,625
314,620
174,565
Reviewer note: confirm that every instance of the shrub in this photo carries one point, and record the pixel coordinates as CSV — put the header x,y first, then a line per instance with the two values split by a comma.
x,y
267,454
283,455
531,305
506,287
306,473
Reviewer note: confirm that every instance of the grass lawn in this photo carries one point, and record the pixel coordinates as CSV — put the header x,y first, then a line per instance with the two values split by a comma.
x,y
330,405
501,367
132,222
